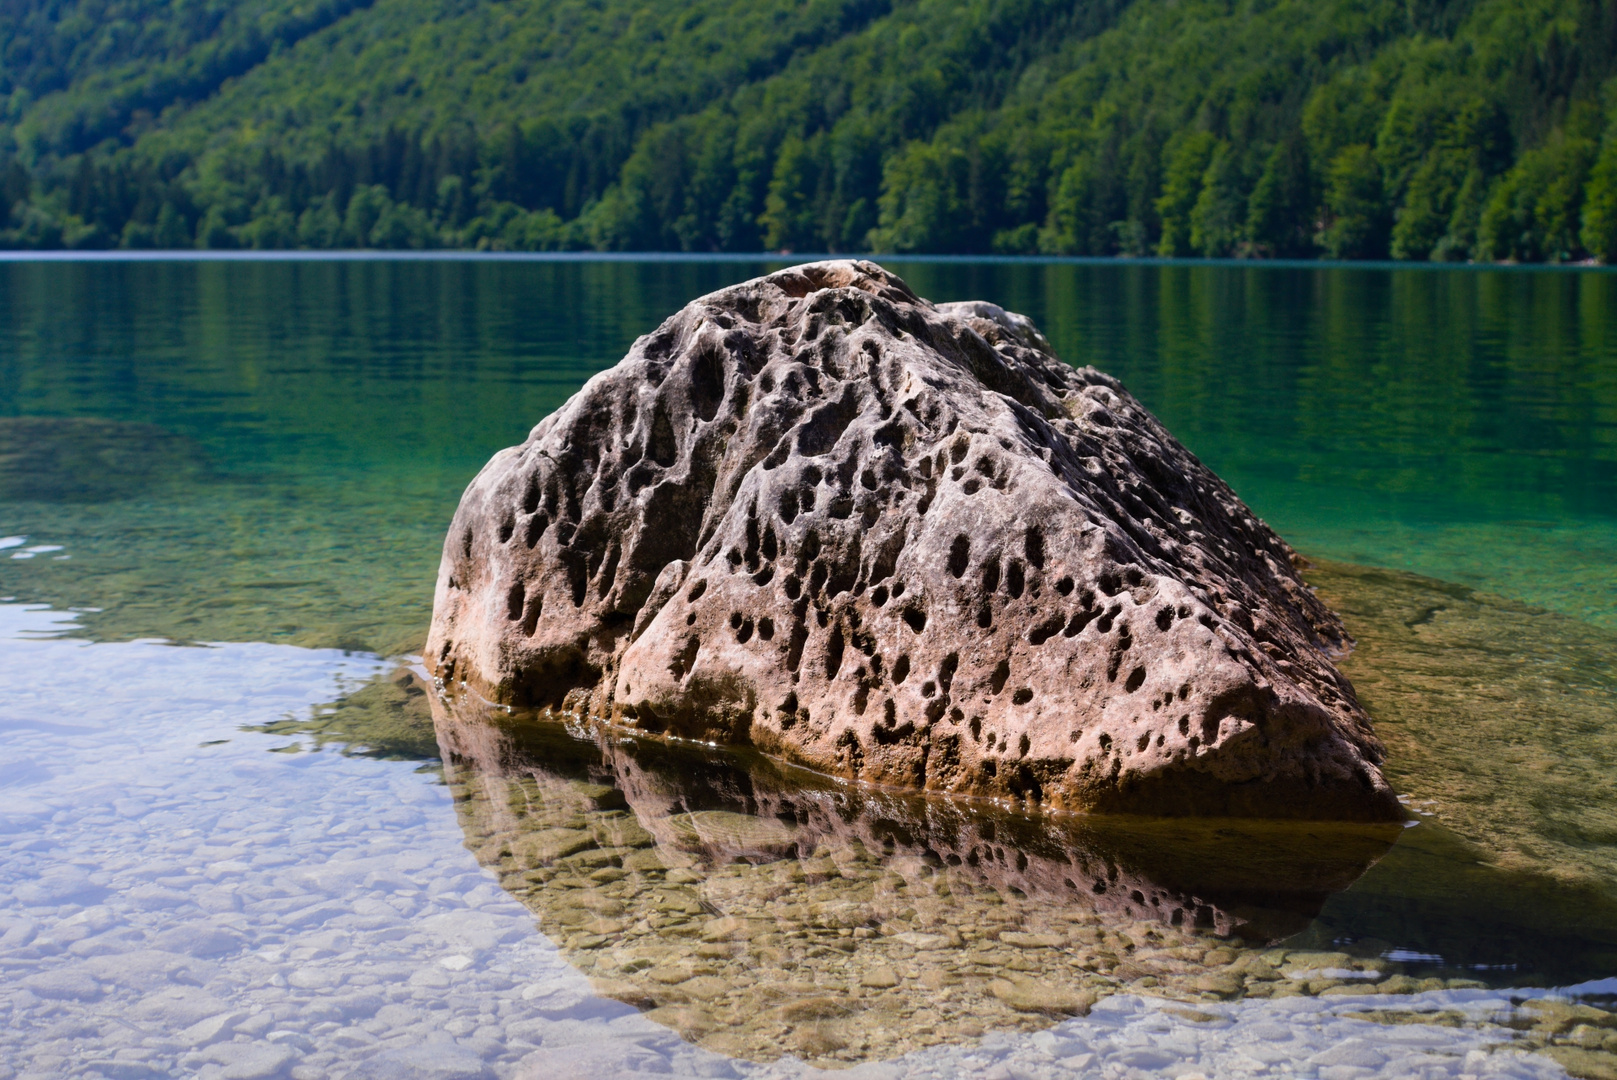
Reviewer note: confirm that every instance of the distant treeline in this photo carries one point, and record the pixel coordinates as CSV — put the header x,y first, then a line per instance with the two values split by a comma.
x,y
1409,129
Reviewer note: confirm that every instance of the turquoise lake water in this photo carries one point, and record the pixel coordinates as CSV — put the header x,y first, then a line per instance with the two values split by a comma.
x,y
263,456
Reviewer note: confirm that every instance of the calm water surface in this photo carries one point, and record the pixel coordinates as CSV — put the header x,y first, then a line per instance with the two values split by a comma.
x,y
262,457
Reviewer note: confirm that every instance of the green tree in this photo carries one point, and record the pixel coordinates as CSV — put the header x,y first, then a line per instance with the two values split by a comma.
x,y
1356,223
1189,155
1217,217
1281,211
1599,232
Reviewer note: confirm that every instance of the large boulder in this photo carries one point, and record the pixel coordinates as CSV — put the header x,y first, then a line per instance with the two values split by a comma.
x,y
902,543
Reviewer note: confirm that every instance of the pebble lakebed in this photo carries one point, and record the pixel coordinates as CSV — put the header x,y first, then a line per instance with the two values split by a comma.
x,y
179,901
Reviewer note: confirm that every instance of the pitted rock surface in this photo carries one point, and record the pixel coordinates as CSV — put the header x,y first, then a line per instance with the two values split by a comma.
x,y
902,543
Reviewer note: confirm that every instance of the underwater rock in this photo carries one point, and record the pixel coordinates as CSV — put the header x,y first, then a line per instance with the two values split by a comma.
x,y
760,909
902,543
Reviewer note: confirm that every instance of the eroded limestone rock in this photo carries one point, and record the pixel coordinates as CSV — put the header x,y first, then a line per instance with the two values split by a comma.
x,y
902,543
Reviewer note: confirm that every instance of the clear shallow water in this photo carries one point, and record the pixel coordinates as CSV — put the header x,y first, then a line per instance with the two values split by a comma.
x,y
266,455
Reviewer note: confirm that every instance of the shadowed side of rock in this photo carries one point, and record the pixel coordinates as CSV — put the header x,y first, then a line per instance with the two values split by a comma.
x,y
902,543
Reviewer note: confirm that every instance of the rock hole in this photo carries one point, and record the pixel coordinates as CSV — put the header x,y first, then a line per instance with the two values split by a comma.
x,y
1046,630
1184,691
1160,740
976,728
889,713
985,615
972,486
820,617
1105,742
1002,672
766,628
1076,624
534,529
794,645
811,547
1133,576
959,555
609,572
915,619
1135,680
507,527
663,448
793,586
958,449
861,699
764,576
577,578
513,601
744,634
1164,618
1022,696
1033,546
841,507
991,576
735,620
690,620
530,618
788,506
878,595
898,588
901,669
817,577
696,591
530,496
1109,583
754,542
1023,745
770,547
868,480
1015,579
833,652
946,670
707,383
466,543
929,689
1064,586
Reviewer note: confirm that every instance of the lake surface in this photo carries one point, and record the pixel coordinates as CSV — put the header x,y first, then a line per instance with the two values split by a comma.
x,y
231,847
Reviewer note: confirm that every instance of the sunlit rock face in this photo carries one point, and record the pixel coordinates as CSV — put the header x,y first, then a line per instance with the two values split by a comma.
x,y
902,543
761,910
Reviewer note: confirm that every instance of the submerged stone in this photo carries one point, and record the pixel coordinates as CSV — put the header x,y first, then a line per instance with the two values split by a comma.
x,y
903,543
794,913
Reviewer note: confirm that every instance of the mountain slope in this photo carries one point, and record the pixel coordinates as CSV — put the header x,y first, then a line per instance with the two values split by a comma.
x,y
1350,128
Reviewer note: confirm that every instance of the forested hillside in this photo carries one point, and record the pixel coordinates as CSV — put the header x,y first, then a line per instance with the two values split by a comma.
x,y
1410,129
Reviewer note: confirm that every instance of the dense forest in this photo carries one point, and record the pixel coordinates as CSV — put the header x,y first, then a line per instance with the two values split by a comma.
x,y
1405,129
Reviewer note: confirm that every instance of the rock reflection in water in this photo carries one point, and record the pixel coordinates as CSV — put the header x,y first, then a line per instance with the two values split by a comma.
x,y
762,910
